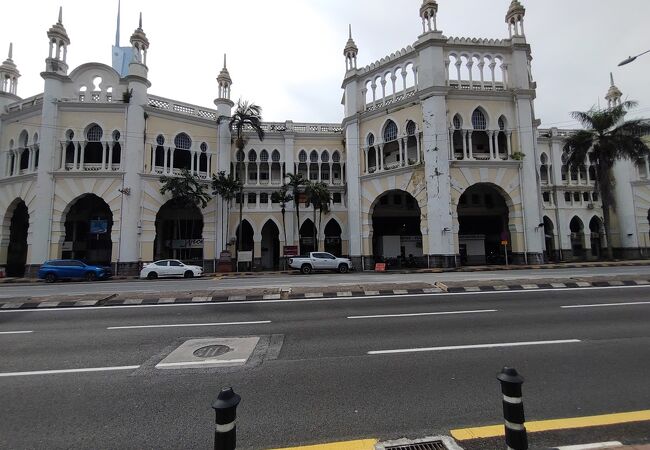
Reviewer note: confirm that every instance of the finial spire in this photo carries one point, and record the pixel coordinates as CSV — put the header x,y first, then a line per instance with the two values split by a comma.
x,y
350,25
611,78
224,60
60,15
140,24
11,51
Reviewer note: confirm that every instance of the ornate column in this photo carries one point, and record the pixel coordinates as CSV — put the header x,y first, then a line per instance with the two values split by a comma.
x,y
110,158
470,145
381,157
75,159
509,149
165,159
452,153
491,139
465,152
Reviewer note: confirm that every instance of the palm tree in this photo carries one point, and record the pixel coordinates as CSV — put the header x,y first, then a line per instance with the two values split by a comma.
x,y
247,115
282,197
186,190
606,139
227,187
297,185
320,198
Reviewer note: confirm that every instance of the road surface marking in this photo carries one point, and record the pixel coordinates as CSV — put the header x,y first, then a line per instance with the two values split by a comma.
x,y
442,313
57,372
601,305
469,347
555,424
597,446
367,444
319,299
133,301
15,332
181,325
200,363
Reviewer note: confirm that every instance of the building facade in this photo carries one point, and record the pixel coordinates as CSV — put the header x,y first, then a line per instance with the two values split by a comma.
x,y
439,161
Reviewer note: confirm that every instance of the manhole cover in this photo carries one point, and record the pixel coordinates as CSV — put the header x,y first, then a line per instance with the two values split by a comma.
x,y
211,351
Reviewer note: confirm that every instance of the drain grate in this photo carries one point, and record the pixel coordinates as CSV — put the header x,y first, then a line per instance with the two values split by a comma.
x,y
211,351
433,445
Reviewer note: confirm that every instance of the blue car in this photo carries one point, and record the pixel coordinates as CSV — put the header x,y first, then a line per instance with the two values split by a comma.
x,y
59,269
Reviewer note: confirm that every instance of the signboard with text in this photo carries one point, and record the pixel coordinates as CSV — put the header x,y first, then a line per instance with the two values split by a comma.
x,y
291,250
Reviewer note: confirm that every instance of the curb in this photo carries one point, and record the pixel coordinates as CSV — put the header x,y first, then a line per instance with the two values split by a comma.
x,y
438,290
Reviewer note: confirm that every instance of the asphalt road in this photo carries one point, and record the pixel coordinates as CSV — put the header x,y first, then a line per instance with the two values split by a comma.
x,y
334,369
295,280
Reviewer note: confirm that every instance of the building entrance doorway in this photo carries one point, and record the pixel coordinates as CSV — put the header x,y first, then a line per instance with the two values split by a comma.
x,y
17,250
179,233
483,226
88,226
397,236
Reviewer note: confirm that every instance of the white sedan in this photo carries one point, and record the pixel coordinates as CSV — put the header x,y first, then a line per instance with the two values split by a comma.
x,y
170,268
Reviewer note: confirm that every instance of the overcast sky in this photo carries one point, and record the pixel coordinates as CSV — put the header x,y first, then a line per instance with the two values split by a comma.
x,y
286,55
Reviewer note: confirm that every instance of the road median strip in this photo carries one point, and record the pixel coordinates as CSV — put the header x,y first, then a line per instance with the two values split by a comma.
x,y
467,434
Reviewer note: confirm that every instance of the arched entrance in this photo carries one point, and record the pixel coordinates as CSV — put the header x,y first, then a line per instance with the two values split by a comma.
x,y
307,233
245,243
333,238
17,250
179,233
577,237
270,246
596,228
88,226
549,239
397,235
483,217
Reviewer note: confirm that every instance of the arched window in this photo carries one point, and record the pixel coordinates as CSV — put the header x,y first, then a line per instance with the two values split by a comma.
x,y
252,156
160,139
302,156
336,157
502,123
204,147
313,156
275,156
458,122
543,159
94,133
240,156
69,135
478,120
390,131
325,157
370,140
183,142
264,156
35,139
116,135
410,128
23,140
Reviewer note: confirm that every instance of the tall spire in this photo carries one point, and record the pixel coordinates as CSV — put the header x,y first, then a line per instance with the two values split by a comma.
x,y
9,74
614,94
350,52
11,51
60,22
117,31
140,23
611,78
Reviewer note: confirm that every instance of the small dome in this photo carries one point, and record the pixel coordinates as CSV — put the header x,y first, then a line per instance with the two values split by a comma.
x,y
57,31
515,9
9,67
224,75
427,7
140,37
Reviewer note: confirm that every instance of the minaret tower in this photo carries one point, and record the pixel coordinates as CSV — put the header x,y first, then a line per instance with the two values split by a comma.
x,y
614,94
224,149
515,19
9,75
428,14
59,41
130,226
350,52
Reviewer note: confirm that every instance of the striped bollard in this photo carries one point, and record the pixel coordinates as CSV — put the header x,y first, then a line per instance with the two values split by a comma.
x,y
225,432
513,409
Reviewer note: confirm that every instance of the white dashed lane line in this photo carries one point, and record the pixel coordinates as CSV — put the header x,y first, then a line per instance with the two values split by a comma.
x,y
440,313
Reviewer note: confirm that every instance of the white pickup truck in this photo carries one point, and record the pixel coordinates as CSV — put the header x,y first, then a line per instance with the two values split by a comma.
x,y
320,261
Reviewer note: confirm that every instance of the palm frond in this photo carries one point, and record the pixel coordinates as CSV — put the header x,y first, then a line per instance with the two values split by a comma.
x,y
577,146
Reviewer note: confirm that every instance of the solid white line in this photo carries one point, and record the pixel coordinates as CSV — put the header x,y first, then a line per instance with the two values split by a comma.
x,y
443,313
466,347
321,299
201,363
601,445
56,372
182,325
15,332
601,305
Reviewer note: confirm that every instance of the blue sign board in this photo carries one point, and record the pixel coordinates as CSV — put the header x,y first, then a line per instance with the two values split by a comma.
x,y
98,226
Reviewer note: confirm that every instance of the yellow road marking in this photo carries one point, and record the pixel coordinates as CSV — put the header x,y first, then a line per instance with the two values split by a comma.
x,y
465,434
367,444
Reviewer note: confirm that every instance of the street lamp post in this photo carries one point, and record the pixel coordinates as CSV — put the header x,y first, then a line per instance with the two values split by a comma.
x,y
630,59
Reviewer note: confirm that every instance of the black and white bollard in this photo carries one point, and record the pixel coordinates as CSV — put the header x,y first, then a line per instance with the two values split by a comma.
x,y
513,409
225,432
